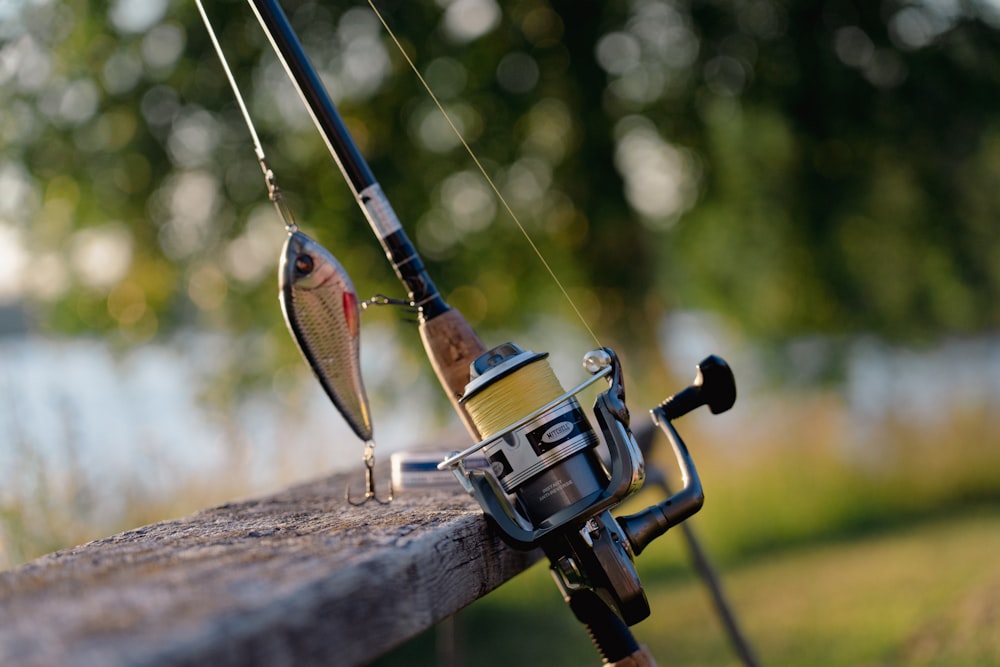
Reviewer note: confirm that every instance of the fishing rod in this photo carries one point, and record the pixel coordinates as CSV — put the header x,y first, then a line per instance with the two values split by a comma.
x,y
547,486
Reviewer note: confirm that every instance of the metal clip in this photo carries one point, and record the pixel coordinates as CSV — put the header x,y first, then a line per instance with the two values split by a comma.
x,y
383,300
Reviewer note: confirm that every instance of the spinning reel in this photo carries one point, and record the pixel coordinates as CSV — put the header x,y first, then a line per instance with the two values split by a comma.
x,y
548,487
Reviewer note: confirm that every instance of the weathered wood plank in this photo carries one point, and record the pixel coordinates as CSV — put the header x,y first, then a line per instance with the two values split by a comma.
x,y
299,577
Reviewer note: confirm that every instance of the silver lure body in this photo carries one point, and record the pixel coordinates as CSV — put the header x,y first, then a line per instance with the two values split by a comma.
x,y
321,310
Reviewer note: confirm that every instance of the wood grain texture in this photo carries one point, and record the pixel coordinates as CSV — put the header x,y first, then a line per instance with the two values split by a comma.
x,y
296,578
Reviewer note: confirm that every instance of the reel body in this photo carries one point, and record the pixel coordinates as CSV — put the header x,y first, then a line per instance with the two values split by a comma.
x,y
548,461
547,486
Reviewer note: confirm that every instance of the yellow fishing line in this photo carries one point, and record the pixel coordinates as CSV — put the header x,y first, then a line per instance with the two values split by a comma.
x,y
512,397
482,170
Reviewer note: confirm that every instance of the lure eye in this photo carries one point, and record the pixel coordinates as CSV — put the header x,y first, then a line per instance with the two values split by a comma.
x,y
303,265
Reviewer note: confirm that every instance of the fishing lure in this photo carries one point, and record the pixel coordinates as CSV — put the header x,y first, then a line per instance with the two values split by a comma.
x,y
321,310
319,304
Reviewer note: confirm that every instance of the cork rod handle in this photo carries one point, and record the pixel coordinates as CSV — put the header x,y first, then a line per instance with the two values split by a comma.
x,y
451,346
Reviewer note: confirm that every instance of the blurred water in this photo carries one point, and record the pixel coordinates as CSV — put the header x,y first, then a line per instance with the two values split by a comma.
x,y
122,411
75,407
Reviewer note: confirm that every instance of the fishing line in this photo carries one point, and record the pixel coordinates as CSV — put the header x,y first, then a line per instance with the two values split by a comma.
x,y
482,170
273,191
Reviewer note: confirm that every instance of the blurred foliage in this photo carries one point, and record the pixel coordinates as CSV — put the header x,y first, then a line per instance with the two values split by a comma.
x,y
800,167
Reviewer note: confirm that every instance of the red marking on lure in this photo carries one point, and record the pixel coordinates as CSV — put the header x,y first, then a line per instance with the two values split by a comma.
x,y
351,313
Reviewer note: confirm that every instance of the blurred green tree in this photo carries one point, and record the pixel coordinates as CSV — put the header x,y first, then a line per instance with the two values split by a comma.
x,y
801,167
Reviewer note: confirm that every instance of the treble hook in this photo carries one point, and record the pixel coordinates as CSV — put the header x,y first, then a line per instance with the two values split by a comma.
x,y
370,492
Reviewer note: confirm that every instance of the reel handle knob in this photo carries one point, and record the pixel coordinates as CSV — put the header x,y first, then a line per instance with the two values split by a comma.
x,y
714,386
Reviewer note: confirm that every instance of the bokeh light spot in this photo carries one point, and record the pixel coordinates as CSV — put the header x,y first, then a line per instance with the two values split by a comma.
x,y
466,20
101,256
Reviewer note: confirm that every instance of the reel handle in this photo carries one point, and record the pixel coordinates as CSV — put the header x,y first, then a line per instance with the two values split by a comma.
x,y
643,527
714,386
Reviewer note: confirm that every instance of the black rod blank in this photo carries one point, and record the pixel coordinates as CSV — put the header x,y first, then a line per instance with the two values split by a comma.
x,y
306,78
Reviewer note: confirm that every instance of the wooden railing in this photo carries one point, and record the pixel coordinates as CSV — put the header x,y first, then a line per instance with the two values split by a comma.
x,y
298,577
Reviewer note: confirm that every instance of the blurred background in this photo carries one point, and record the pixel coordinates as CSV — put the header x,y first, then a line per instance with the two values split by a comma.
x,y
810,189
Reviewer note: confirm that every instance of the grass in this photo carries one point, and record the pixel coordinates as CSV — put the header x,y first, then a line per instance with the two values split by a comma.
x,y
924,594
863,601
823,482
